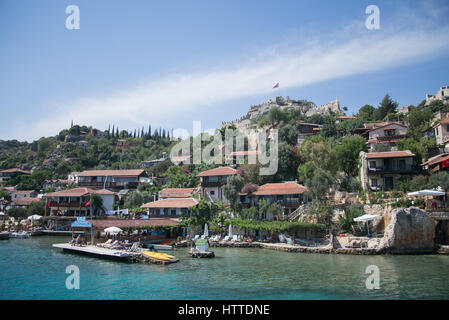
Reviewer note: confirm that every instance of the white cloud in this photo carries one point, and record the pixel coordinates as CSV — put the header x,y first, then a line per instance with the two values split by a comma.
x,y
355,52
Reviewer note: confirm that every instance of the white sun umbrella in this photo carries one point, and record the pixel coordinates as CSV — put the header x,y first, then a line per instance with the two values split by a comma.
x,y
230,231
427,192
113,230
206,230
366,218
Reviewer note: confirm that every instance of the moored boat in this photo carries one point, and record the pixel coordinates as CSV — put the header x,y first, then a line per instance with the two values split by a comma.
x,y
4,235
162,247
20,235
159,256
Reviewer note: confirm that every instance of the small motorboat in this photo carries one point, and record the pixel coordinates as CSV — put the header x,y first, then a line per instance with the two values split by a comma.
x,y
162,247
20,235
4,235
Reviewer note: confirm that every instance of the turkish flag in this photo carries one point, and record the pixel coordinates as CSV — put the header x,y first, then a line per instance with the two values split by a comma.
x,y
87,203
47,204
276,85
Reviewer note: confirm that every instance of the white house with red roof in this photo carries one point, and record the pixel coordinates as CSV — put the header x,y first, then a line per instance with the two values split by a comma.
x,y
384,170
212,181
290,195
76,202
171,207
7,174
112,179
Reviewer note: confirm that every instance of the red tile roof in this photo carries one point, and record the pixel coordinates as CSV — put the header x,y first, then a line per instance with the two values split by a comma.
x,y
434,159
389,154
111,173
25,201
22,191
13,170
220,171
438,160
280,188
129,223
346,117
176,193
171,203
78,192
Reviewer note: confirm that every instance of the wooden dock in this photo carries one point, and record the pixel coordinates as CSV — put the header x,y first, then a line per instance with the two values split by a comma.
x,y
98,252
105,253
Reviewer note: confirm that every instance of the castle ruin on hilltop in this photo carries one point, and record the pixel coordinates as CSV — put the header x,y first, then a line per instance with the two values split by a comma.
x,y
305,107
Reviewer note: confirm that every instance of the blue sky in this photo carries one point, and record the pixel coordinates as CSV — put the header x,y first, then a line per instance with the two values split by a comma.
x,y
167,63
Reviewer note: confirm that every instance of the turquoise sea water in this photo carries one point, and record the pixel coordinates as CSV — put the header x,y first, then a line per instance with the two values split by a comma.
x,y
31,269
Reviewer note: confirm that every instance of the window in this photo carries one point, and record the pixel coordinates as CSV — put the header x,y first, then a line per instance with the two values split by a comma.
x,y
212,192
374,182
402,164
372,164
173,212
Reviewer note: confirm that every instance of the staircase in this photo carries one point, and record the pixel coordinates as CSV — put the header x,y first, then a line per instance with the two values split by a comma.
x,y
295,215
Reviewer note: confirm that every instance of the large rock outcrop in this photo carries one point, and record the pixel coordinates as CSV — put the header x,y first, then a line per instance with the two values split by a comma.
x,y
409,231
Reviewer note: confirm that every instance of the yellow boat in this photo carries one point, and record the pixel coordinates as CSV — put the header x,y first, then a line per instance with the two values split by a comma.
x,y
158,256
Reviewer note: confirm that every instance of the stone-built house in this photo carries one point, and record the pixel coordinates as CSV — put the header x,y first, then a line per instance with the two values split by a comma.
x,y
388,133
212,181
384,170
8,174
307,129
290,195
441,130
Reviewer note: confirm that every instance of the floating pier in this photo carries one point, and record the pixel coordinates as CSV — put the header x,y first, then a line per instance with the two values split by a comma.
x,y
99,252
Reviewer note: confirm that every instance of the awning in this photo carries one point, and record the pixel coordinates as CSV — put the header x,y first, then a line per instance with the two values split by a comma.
x,y
81,224
426,192
366,217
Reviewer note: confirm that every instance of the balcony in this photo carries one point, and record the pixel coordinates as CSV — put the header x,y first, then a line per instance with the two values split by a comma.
x,y
207,184
391,137
289,203
393,169
73,204
114,185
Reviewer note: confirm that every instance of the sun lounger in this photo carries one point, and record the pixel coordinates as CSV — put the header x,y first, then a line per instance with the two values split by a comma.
x,y
226,238
104,243
235,238
111,244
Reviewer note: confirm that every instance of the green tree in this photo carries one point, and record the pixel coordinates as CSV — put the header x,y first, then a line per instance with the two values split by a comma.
x,y
347,154
36,208
231,189
387,106
96,203
320,184
366,113
440,179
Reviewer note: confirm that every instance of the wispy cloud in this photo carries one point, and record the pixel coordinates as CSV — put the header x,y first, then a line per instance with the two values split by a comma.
x,y
353,51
